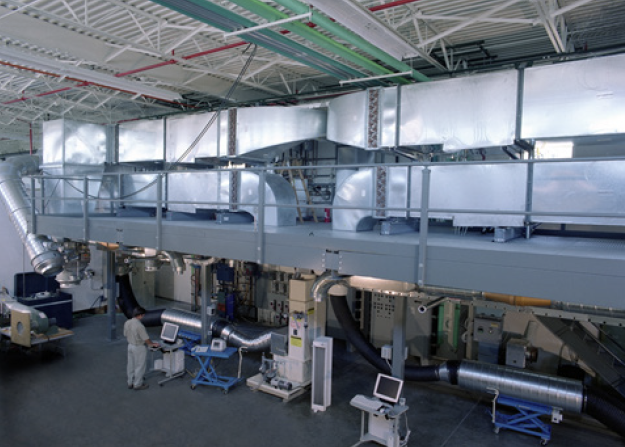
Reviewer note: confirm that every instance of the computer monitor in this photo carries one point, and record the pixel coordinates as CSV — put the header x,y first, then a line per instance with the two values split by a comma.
x,y
169,332
388,388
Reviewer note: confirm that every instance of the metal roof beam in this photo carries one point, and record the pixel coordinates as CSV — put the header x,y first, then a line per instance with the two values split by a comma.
x,y
468,22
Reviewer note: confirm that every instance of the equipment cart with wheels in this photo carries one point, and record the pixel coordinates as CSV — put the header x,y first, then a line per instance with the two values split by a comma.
x,y
526,417
207,374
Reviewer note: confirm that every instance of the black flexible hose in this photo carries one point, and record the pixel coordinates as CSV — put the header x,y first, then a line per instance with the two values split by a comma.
x,y
369,352
607,409
127,302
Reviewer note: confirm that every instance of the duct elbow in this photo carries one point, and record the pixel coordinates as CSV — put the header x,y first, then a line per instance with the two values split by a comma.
x,y
323,284
176,261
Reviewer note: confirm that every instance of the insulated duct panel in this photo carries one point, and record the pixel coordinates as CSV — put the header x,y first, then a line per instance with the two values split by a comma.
x,y
261,128
142,141
463,113
183,130
141,190
575,99
65,196
215,187
466,187
352,119
74,143
593,187
484,187
207,190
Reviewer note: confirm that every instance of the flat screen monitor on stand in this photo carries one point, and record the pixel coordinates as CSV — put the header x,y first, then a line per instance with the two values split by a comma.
x,y
169,334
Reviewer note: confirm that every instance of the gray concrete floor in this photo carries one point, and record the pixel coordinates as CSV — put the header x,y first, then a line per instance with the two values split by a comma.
x,y
82,400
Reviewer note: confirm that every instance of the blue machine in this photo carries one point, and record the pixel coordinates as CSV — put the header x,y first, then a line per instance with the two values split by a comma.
x,y
207,374
525,417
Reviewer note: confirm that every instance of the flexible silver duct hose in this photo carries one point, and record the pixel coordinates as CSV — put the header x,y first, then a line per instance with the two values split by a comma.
x,y
219,328
44,261
320,288
552,391
235,338
186,320
176,261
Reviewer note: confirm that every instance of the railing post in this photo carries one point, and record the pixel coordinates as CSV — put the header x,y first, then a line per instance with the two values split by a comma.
x,y
260,235
424,225
85,209
159,211
33,213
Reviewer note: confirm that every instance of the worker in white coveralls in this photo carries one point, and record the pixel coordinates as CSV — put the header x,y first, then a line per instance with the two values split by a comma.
x,y
138,339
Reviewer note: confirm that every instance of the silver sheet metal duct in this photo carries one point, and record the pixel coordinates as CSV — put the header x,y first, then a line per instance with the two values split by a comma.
x,y
47,262
256,132
462,113
568,100
218,188
192,322
560,392
557,187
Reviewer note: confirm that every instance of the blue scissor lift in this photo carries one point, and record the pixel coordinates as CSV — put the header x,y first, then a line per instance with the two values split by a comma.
x,y
525,417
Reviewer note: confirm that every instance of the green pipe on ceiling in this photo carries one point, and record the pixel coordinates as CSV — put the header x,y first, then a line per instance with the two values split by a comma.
x,y
263,10
343,33
197,10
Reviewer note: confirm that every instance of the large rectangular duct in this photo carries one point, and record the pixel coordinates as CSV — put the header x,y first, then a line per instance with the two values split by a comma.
x,y
462,113
142,140
72,149
183,130
569,189
575,99
214,189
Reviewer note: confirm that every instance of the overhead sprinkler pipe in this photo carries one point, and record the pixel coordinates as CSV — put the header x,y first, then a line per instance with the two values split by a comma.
x,y
45,261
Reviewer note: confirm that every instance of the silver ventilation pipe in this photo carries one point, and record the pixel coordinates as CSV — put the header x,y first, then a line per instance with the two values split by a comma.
x,y
45,261
237,339
219,328
552,391
176,261
323,284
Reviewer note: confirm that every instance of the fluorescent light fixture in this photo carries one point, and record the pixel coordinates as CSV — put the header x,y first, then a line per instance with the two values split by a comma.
x,y
269,25
64,70
361,21
375,78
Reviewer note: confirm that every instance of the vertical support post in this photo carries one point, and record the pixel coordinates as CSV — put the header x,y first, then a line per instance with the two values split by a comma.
x,y
399,337
260,235
85,209
207,285
424,225
159,211
529,196
110,291
33,212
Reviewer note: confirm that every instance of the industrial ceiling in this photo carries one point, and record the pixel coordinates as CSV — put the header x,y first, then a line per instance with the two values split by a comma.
x,y
117,60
